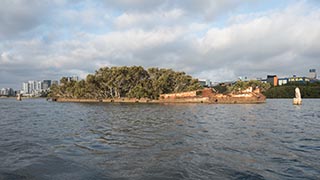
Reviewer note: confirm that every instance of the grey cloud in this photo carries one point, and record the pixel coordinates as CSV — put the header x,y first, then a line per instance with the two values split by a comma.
x,y
23,19
151,20
207,9
19,16
134,5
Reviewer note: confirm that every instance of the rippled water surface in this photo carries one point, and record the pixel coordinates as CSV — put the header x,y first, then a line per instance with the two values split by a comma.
x,y
50,140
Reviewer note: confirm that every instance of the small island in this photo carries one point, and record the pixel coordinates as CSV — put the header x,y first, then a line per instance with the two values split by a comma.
x,y
154,85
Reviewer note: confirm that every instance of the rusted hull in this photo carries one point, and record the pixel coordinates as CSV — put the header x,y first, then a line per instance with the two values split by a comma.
x,y
208,96
237,101
217,100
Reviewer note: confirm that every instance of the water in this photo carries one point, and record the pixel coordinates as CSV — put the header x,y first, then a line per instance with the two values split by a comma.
x,y
50,140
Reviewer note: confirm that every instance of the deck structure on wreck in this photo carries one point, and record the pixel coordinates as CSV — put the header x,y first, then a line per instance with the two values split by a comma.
x,y
207,95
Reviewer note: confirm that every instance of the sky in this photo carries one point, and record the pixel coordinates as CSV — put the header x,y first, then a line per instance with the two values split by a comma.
x,y
219,40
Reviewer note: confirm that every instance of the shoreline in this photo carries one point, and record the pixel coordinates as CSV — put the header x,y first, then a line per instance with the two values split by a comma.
x,y
198,100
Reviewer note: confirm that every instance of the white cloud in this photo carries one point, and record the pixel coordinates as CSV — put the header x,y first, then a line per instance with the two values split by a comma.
x,y
205,9
85,19
19,16
4,58
157,18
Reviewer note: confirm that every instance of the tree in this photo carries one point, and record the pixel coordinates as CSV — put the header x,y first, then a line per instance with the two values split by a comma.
x,y
242,85
133,82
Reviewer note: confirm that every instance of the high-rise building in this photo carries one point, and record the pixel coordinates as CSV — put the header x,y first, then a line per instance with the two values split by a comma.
x,y
312,74
11,92
39,86
3,92
7,92
35,88
25,88
32,86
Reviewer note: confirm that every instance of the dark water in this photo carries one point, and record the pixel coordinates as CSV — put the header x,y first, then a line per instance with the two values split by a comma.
x,y
50,140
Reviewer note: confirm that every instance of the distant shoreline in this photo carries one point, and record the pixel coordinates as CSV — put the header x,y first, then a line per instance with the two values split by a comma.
x,y
14,97
130,100
198,100
6,97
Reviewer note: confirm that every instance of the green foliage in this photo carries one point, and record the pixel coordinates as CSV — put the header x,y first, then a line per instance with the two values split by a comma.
x,y
221,89
242,85
310,90
133,82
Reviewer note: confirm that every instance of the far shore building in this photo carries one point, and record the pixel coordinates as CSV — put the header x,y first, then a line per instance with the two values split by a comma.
x,y
312,74
7,92
205,82
296,79
272,79
73,78
282,81
46,84
275,81
35,88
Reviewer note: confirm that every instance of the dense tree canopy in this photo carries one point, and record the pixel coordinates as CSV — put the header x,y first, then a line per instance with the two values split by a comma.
x,y
308,90
242,85
132,82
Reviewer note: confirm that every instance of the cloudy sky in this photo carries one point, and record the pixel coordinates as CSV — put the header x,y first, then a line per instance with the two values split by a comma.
x,y
219,40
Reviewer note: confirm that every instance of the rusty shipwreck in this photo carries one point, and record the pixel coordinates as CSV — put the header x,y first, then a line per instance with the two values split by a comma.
x,y
207,95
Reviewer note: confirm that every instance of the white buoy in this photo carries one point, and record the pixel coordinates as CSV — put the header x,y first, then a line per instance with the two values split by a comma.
x,y
297,100
19,97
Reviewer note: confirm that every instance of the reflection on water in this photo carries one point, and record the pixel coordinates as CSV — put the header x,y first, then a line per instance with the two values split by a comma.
x,y
50,140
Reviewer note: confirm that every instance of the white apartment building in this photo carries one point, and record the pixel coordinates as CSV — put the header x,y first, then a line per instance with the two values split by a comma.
x,y
33,88
7,92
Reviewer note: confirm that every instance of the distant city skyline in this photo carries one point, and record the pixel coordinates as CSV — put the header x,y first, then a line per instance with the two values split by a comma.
x,y
216,40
